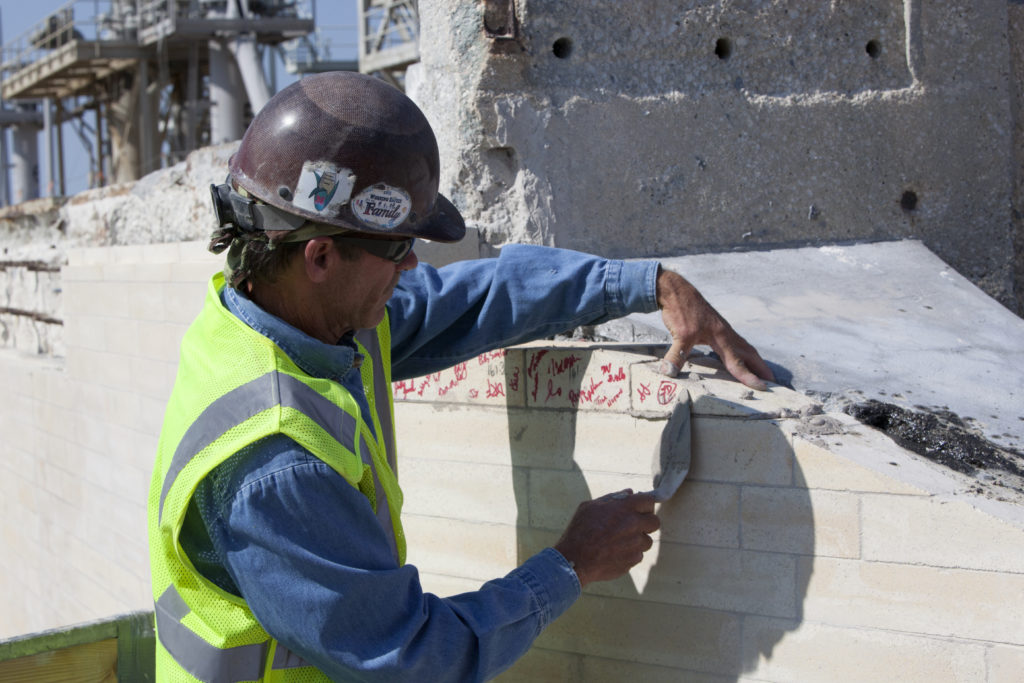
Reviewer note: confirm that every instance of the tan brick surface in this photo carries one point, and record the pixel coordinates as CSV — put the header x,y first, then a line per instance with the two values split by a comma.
x,y
603,670
1005,664
554,495
648,632
919,530
793,520
702,514
471,492
716,578
914,599
818,468
740,450
458,548
811,652
544,665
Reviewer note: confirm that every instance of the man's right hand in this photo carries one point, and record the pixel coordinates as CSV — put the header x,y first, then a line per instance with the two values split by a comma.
x,y
608,535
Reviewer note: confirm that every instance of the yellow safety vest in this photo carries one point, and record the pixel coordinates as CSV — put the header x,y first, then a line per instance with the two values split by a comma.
x,y
235,387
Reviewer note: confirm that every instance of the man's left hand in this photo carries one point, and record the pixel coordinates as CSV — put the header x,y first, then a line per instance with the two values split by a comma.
x,y
691,320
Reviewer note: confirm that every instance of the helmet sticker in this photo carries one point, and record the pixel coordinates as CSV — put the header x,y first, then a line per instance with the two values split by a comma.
x,y
323,187
382,205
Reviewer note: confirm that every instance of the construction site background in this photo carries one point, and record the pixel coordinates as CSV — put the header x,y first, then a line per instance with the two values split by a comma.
x,y
801,549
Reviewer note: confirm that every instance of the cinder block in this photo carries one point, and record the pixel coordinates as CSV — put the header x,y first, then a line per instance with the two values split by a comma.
x,y
139,300
603,670
63,485
468,491
181,302
544,665
915,599
86,332
99,368
577,378
648,632
1005,664
739,450
484,434
653,392
199,272
151,415
88,298
160,341
613,442
793,520
779,650
714,578
918,530
554,495
121,336
491,379
702,514
150,377
81,272
127,274
819,468
460,548
551,439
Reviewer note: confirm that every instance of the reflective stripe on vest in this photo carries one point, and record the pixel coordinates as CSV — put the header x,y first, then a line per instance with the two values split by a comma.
x,y
263,393
371,342
207,662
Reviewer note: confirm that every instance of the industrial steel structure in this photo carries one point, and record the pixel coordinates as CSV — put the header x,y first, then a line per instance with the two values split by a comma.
x,y
142,83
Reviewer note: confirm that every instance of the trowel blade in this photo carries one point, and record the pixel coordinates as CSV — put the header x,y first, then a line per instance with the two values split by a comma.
x,y
671,461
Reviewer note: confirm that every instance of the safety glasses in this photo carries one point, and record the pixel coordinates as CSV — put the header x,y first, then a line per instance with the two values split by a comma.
x,y
394,251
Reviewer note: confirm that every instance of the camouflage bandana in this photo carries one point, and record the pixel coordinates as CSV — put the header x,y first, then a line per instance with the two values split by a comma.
x,y
241,245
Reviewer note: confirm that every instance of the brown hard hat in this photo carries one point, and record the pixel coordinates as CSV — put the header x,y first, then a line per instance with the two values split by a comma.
x,y
350,151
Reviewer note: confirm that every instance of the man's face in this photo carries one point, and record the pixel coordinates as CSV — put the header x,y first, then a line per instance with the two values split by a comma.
x,y
363,286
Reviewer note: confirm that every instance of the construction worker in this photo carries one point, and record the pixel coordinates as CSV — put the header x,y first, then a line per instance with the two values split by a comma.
x,y
276,543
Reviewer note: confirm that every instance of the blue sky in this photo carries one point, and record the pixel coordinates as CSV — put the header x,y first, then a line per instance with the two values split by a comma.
x,y
18,16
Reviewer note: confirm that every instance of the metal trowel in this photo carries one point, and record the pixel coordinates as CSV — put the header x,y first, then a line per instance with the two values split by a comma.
x,y
671,461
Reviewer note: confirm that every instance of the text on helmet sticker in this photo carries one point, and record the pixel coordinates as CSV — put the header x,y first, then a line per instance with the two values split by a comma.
x,y
323,187
382,205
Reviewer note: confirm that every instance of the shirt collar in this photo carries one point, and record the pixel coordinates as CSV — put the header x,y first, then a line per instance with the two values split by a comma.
x,y
313,356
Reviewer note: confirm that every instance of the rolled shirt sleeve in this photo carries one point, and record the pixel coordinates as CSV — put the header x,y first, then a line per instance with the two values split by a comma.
x,y
440,317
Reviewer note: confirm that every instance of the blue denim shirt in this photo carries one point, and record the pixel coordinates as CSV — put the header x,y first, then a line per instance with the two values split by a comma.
x,y
281,528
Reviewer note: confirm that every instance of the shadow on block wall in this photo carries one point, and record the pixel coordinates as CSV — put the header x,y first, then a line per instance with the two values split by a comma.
x,y
726,578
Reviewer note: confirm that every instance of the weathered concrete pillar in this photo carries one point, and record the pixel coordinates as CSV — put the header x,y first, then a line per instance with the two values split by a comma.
x,y
637,129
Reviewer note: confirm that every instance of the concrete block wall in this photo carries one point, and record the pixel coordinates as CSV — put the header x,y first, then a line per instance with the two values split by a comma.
x,y
802,547
80,433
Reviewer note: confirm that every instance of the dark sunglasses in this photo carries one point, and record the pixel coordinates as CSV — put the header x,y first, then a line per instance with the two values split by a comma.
x,y
394,251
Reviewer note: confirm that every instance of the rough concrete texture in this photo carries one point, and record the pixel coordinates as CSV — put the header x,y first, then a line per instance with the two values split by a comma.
x,y
170,205
636,129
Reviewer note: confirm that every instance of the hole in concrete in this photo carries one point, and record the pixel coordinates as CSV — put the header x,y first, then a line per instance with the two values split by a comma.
x,y
874,49
562,48
908,202
723,48
943,437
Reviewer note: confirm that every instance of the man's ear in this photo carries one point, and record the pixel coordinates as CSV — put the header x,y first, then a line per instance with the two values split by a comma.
x,y
318,256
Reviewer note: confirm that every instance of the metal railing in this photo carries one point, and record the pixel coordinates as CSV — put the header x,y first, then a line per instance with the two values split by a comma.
x,y
91,20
